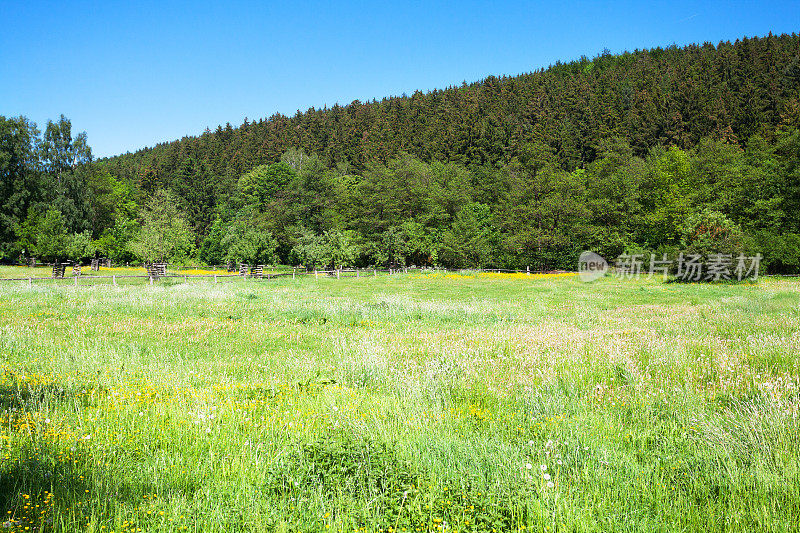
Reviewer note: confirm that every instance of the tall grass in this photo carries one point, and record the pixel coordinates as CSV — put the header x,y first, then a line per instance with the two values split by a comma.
x,y
402,403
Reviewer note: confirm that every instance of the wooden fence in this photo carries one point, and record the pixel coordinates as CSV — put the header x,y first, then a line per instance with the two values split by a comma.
x,y
256,273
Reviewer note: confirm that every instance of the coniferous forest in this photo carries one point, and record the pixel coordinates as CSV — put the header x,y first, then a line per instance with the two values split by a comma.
x,y
631,152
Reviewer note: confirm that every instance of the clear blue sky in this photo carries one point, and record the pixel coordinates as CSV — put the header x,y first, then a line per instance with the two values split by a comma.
x,y
132,74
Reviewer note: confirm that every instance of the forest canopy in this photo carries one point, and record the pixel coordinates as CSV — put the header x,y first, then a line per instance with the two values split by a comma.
x,y
615,153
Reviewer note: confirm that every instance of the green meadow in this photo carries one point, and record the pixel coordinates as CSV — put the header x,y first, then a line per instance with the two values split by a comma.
x,y
412,402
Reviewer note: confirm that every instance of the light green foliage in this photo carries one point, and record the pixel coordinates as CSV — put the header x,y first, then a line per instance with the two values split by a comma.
x,y
164,234
81,246
419,245
114,241
51,238
111,198
331,249
246,242
667,194
262,185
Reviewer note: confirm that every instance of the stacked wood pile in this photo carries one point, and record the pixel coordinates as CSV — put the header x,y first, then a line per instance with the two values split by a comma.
x,y
58,270
156,270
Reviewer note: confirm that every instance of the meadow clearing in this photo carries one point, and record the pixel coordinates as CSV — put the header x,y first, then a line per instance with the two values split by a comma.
x,y
410,402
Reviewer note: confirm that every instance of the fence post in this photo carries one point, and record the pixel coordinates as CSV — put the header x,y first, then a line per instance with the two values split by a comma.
x,y
76,281
114,279
215,278
337,273
356,273
151,280
316,276
375,271
30,282
529,270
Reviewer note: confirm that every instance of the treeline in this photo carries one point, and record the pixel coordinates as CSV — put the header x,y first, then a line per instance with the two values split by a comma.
x,y
616,153
673,96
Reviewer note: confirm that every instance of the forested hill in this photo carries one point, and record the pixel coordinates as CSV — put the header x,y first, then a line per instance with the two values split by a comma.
x,y
664,96
653,151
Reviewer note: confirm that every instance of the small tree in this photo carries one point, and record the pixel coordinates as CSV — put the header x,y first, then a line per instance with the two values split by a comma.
x,y
165,234
333,248
114,241
246,243
44,236
310,250
81,246
711,232
211,250
471,240
708,233
261,185
342,247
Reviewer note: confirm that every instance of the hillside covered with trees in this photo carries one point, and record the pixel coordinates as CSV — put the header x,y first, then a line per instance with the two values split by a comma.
x,y
615,153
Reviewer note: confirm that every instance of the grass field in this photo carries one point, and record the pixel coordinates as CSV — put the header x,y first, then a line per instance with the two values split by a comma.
x,y
404,403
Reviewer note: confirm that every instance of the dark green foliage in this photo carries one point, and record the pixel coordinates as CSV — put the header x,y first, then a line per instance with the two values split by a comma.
x,y
212,251
472,239
46,235
673,96
709,232
343,469
605,154
20,181
342,466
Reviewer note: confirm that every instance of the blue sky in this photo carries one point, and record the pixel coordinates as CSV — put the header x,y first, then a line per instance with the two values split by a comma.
x,y
132,74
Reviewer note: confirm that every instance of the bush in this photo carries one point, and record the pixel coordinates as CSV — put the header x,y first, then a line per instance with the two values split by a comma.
x,y
711,236
781,252
711,232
